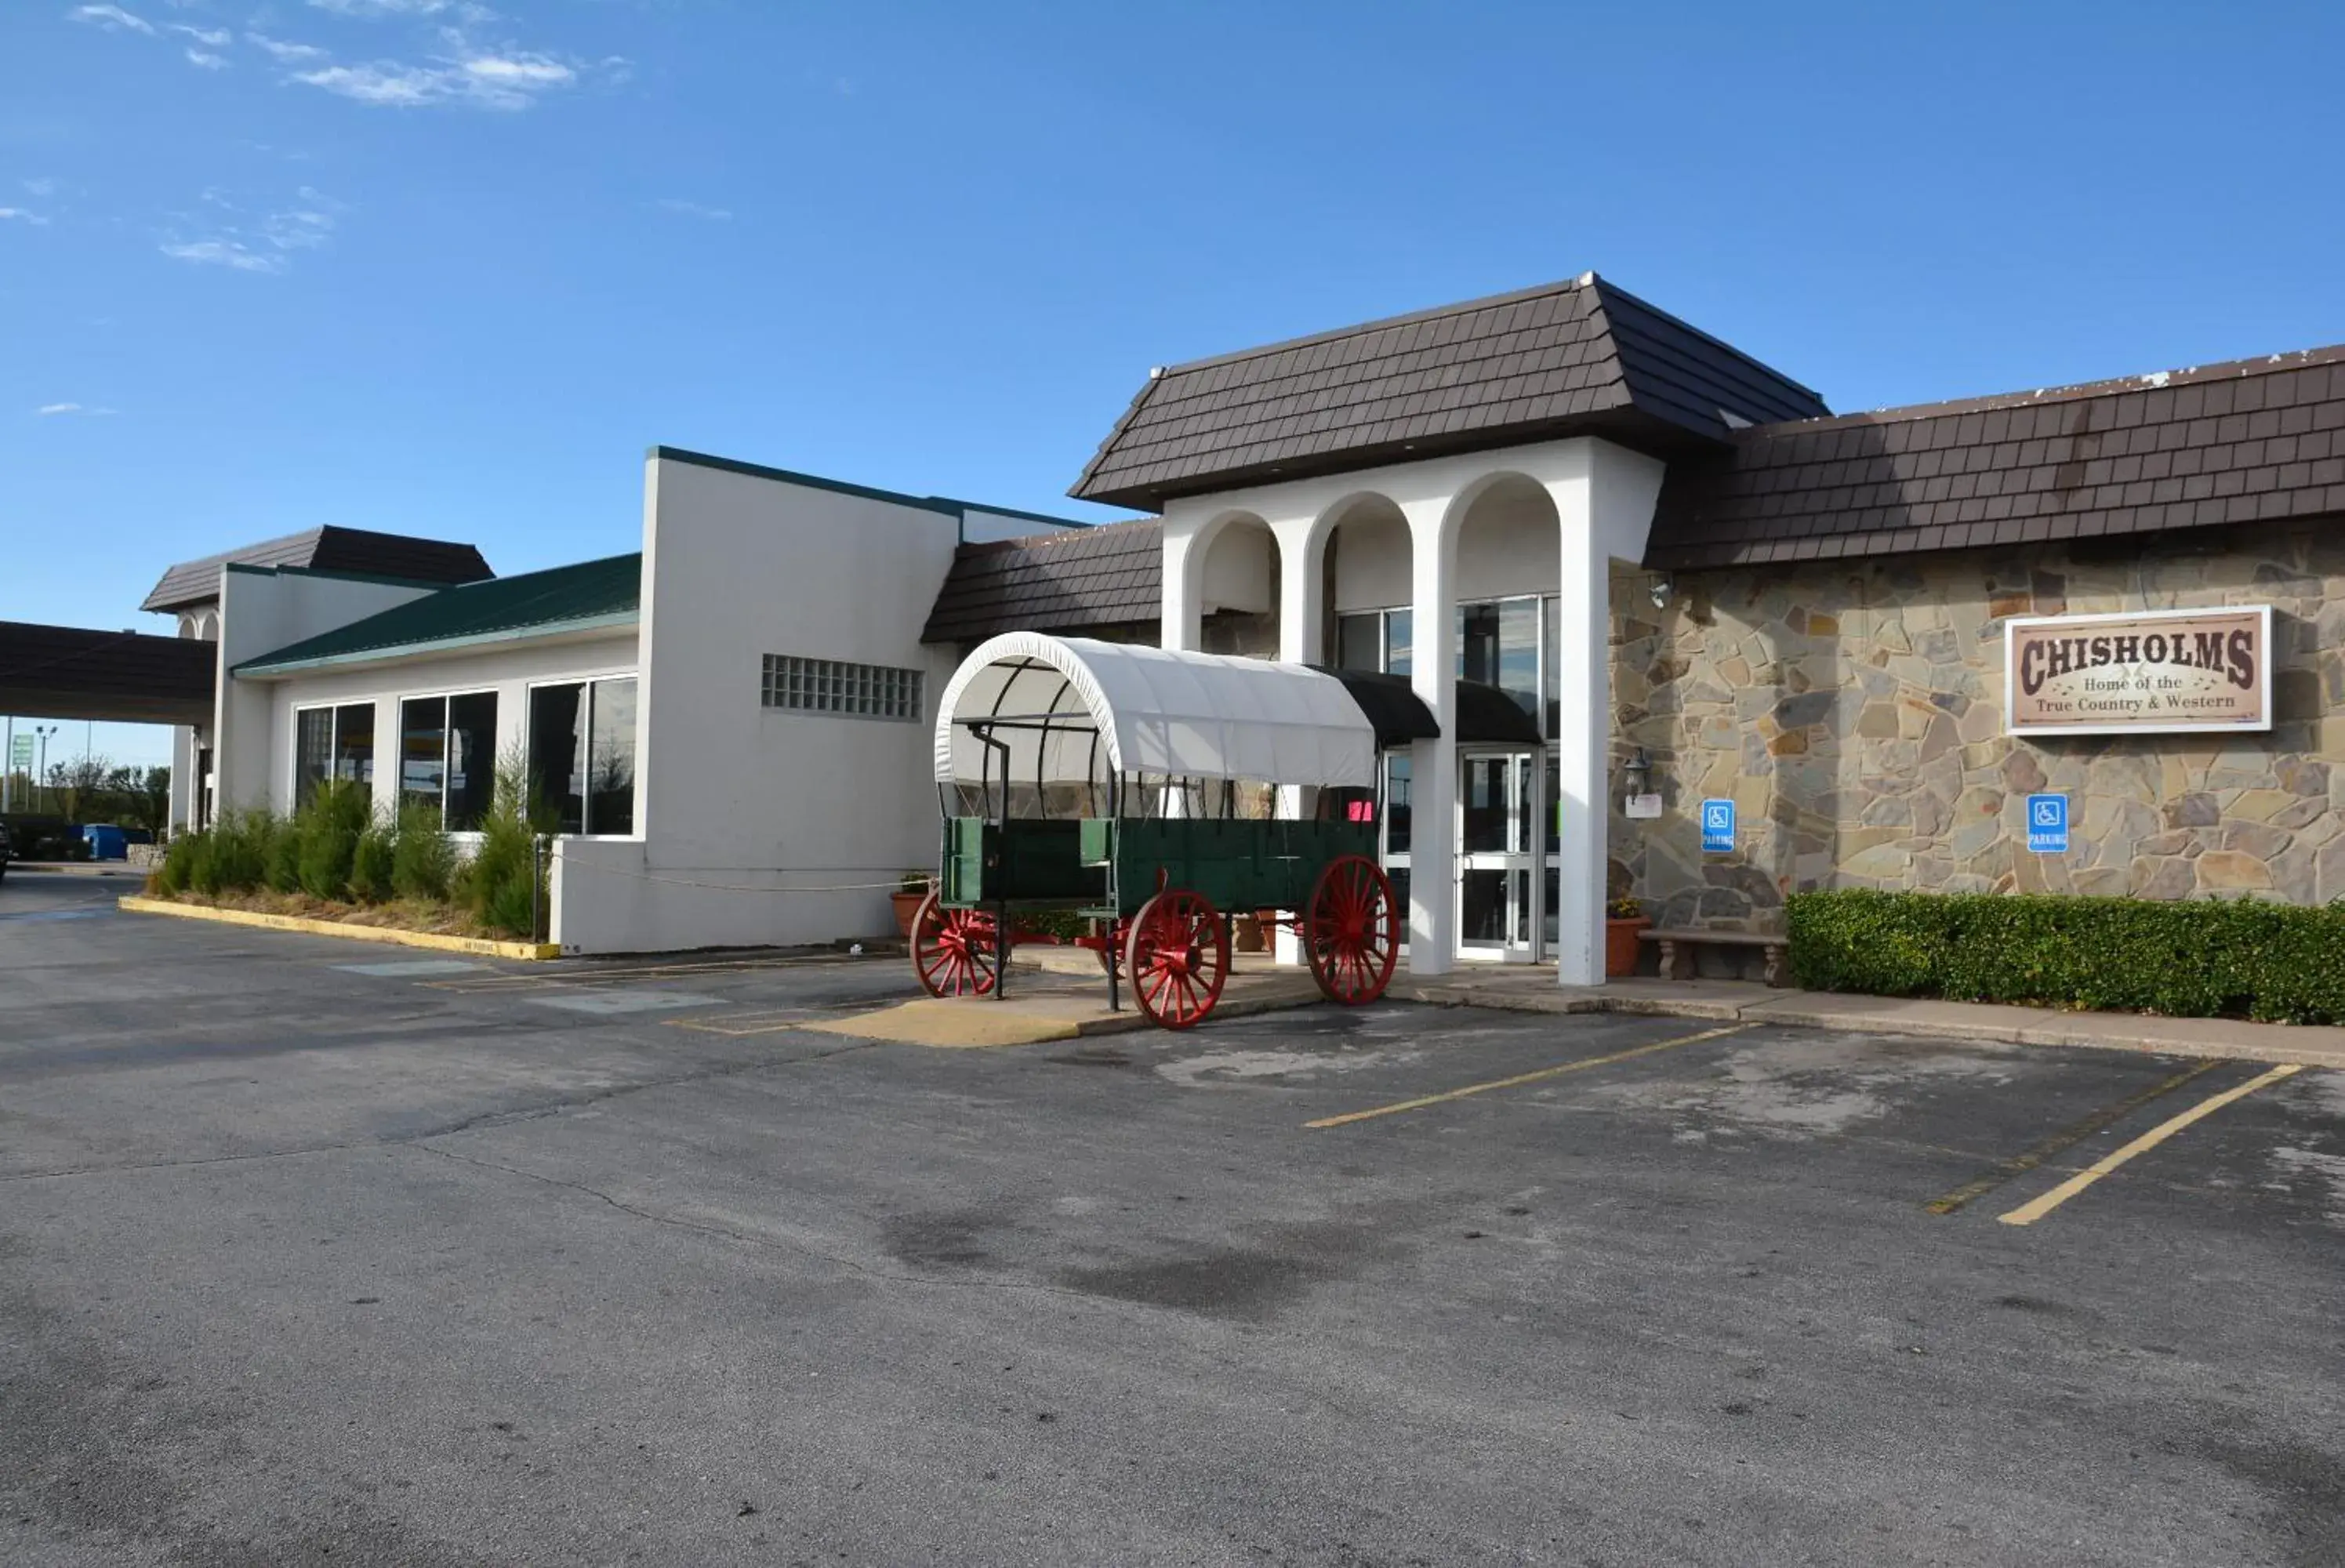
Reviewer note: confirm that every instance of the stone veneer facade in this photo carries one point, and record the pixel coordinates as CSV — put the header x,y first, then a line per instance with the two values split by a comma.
x,y
1853,710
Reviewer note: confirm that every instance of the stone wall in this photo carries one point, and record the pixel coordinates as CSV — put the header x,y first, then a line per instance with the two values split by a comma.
x,y
1854,711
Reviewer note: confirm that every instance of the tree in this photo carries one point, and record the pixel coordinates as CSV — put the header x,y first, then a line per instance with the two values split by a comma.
x,y
78,782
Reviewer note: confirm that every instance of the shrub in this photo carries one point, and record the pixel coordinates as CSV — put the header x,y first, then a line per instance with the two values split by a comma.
x,y
233,853
500,884
423,859
325,835
176,871
280,852
2204,958
370,862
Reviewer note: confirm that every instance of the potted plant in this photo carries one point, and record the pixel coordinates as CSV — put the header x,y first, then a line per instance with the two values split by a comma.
x,y
1624,918
910,889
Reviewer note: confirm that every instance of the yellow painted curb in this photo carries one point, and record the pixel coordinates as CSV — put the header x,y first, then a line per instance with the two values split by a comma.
x,y
479,947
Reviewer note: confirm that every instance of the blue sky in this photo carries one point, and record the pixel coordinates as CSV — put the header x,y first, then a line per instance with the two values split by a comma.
x,y
433,267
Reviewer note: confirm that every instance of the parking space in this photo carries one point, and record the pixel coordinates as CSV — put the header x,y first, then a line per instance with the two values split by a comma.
x,y
311,1253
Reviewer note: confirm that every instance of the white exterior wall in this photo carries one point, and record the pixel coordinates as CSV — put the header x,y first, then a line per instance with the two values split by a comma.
x,y
508,670
766,825
261,610
1544,518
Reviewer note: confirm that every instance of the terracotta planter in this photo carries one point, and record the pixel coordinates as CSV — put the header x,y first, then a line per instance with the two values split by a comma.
x,y
1247,934
908,905
1621,945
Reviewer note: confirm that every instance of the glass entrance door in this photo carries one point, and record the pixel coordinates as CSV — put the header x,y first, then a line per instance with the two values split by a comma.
x,y
1498,850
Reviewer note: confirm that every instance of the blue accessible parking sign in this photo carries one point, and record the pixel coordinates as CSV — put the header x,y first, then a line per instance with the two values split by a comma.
x,y
2047,823
1717,826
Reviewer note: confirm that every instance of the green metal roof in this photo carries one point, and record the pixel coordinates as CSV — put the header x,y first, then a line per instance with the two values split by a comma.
x,y
590,595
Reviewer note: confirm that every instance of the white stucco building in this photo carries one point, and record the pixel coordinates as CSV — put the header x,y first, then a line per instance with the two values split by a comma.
x,y
730,725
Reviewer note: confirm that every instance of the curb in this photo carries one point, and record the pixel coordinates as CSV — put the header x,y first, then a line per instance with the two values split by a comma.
x,y
478,947
2111,1035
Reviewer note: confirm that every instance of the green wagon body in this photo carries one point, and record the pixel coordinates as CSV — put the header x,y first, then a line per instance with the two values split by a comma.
x,y
1108,867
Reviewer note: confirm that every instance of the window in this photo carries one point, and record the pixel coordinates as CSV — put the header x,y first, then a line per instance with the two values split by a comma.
x,y
1498,645
834,686
333,742
582,754
1373,639
448,756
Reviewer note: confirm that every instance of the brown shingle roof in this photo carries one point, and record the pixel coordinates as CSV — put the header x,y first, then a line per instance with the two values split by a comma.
x,y
1563,358
2246,441
356,551
1083,578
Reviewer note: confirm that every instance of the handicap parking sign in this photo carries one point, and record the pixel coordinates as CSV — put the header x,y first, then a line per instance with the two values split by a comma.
x,y
1717,826
2047,823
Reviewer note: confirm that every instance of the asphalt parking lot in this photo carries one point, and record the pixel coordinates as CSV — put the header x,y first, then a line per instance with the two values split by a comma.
x,y
314,1252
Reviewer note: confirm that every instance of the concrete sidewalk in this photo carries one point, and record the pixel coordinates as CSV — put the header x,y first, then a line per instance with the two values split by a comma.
x,y
1535,990
1257,985
1031,1015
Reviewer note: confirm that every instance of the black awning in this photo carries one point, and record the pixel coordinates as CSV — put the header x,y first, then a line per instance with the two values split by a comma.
x,y
1486,715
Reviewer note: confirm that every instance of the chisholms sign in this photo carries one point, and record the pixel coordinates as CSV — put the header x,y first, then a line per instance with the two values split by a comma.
x,y
2156,672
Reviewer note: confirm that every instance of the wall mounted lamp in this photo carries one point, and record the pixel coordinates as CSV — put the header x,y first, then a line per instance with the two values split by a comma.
x,y
1636,773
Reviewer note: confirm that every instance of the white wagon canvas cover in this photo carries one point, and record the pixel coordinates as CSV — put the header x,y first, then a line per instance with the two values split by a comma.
x,y
1155,711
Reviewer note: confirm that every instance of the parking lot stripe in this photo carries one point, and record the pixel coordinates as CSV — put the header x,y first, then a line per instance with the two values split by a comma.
x,y
2075,1132
757,1021
2028,1213
1520,1078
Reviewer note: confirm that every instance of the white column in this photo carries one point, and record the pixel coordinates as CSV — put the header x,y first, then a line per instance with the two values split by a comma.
x,y
1582,728
1433,764
1184,568
1302,640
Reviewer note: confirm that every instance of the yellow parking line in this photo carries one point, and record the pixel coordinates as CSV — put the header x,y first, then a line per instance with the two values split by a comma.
x,y
1521,1079
2075,1132
2028,1213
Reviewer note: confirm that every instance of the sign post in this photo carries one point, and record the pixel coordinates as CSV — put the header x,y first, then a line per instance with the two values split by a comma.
x,y
20,756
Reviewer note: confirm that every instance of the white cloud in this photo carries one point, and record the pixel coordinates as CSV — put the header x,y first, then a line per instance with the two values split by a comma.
x,y
510,79
21,216
387,83
384,7
303,230
207,61
266,245
210,38
113,18
51,411
232,253
284,53
694,209
41,187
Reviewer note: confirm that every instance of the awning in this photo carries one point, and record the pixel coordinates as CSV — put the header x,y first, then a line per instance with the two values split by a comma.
x,y
1075,709
1484,714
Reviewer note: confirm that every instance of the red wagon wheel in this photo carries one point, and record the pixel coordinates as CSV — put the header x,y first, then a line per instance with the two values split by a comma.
x,y
1351,930
953,949
1177,955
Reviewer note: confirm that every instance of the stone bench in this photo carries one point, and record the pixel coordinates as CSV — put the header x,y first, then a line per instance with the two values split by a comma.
x,y
1678,945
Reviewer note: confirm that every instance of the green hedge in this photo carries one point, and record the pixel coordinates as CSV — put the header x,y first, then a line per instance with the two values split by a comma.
x,y
2207,958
